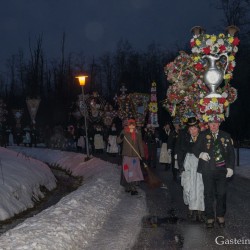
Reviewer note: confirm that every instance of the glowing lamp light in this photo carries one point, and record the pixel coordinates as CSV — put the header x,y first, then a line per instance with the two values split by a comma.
x,y
82,80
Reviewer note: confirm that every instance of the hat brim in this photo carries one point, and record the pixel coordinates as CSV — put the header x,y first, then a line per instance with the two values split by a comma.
x,y
191,124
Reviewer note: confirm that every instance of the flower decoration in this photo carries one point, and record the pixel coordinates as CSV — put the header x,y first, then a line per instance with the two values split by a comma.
x,y
187,89
213,109
180,69
153,107
214,118
175,95
213,105
205,44
230,93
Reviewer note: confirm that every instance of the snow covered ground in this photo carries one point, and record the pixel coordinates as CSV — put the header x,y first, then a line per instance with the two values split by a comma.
x,y
98,215
20,181
244,167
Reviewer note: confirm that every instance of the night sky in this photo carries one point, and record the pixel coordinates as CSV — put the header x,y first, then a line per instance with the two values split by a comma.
x,y
95,26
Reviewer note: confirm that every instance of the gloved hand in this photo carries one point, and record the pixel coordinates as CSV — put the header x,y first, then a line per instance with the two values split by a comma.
x,y
230,172
121,136
204,156
169,154
182,169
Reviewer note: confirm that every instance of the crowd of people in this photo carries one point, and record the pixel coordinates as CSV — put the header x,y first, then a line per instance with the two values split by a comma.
x,y
201,158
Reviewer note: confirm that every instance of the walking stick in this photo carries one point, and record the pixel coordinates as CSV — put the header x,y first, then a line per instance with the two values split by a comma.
x,y
153,180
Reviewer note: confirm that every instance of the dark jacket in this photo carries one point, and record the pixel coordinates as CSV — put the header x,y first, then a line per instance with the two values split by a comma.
x,y
186,145
127,150
164,135
205,143
173,142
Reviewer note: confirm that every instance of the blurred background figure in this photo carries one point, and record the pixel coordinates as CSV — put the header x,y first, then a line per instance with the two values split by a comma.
x,y
99,144
112,146
151,139
173,147
165,158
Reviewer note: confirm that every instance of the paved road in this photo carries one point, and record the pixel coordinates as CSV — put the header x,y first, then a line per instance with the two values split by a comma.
x,y
175,231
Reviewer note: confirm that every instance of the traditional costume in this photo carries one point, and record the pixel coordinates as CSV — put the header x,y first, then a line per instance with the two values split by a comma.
x,y
165,158
191,181
112,147
131,173
99,143
216,163
173,145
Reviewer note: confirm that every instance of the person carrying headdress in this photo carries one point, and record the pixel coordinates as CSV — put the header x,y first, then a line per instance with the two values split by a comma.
x,y
215,151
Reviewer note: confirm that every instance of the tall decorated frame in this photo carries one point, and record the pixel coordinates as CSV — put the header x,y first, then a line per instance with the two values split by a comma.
x,y
200,83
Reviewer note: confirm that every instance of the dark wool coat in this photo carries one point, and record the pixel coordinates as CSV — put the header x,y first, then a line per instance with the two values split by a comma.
x,y
205,143
185,146
137,144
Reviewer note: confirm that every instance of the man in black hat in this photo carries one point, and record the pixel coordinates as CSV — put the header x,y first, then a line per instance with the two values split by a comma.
x,y
215,151
191,181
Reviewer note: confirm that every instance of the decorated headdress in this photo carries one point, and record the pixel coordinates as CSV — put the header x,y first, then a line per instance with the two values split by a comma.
x,y
213,109
194,79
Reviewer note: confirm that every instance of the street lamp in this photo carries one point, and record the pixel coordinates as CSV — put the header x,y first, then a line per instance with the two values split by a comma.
x,y
82,81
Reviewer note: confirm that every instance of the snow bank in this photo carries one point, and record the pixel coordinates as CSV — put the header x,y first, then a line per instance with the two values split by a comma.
x,y
20,182
99,215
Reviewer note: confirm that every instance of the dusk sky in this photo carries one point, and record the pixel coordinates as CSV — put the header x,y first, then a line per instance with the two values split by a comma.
x,y
95,26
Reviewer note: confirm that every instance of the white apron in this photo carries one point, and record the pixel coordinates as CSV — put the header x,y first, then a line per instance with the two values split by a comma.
x,y
164,155
112,144
192,183
98,141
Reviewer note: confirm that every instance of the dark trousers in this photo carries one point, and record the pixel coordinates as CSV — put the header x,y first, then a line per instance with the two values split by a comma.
x,y
215,185
152,155
174,170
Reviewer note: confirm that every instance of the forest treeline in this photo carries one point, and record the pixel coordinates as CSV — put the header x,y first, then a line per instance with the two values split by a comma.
x,y
54,81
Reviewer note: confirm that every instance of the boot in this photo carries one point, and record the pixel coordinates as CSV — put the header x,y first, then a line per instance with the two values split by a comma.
x,y
133,189
134,192
127,190
210,223
167,167
221,222
190,214
194,216
200,216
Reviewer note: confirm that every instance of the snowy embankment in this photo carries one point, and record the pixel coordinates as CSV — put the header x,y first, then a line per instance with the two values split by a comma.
x,y
98,215
20,182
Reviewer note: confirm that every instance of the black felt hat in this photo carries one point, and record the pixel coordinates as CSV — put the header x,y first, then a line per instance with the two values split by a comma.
x,y
192,121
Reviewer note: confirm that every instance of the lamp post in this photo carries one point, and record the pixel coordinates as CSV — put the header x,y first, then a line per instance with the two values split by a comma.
x,y
82,81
